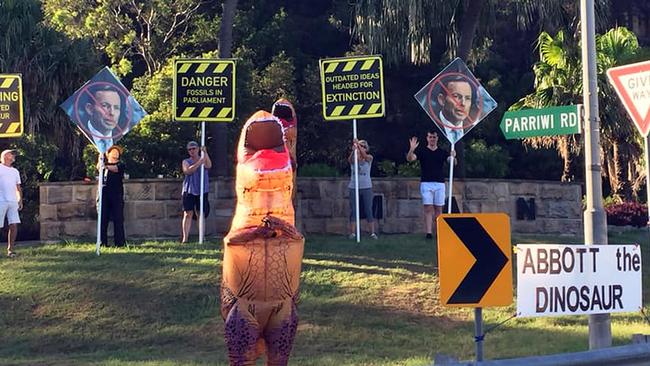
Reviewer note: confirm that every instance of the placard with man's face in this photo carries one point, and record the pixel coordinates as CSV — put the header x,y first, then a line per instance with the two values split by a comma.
x,y
103,109
455,101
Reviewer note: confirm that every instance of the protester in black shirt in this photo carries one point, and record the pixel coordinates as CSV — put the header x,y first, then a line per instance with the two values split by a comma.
x,y
112,196
432,178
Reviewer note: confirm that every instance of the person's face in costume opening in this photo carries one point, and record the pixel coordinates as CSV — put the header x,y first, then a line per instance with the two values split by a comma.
x,y
104,110
456,101
432,139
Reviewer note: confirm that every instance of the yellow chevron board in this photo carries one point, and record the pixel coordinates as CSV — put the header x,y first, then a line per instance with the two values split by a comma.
x,y
11,105
204,90
353,87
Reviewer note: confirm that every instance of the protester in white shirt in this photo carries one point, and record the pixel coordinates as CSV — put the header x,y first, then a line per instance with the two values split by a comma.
x,y
11,197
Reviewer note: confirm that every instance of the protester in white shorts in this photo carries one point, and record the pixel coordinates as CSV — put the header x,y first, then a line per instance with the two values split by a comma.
x,y
11,197
432,177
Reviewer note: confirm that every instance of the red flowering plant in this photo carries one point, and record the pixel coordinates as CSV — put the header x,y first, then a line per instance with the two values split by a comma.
x,y
627,213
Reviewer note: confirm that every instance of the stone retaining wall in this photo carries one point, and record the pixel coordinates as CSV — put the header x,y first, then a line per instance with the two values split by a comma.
x,y
153,206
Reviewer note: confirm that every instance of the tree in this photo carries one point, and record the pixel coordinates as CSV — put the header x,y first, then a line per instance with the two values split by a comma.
x,y
558,81
132,32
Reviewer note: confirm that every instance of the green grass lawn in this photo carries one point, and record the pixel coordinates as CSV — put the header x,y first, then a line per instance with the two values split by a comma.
x,y
157,303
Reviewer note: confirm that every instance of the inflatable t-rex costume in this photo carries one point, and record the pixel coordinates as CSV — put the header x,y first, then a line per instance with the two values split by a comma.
x,y
263,250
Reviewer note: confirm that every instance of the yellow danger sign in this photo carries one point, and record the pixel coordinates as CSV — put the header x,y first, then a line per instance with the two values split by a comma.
x,y
204,90
353,87
11,105
474,259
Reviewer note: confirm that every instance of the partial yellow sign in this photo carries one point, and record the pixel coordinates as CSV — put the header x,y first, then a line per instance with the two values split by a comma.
x,y
11,105
474,259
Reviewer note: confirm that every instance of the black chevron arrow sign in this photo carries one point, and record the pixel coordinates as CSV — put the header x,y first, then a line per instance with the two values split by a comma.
x,y
490,260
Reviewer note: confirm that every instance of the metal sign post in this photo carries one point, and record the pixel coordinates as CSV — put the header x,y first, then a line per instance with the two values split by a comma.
x,y
356,181
100,191
451,180
202,216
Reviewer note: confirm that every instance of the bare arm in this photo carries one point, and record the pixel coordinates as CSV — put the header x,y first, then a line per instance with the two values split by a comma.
x,y
206,158
413,144
19,194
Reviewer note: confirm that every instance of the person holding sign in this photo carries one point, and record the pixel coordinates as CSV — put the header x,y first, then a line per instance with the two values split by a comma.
x,y
365,186
192,186
112,196
432,176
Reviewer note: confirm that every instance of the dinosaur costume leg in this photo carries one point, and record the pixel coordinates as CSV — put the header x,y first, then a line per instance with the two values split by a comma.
x,y
262,251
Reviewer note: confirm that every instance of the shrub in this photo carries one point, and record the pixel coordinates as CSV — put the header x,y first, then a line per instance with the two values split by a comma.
x,y
387,168
317,170
409,169
627,213
484,161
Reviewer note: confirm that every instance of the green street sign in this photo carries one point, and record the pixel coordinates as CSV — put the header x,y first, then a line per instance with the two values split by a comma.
x,y
562,120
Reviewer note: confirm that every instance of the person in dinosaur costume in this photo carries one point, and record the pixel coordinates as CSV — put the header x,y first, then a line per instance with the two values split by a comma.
x,y
283,109
263,250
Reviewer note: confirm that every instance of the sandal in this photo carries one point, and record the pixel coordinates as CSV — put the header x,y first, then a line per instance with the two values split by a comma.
x,y
11,254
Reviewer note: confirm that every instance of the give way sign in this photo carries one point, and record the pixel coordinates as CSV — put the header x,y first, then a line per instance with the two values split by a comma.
x,y
632,84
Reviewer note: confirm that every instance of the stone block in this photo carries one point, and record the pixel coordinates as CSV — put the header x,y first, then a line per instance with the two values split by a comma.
x,y
149,210
47,212
340,208
489,207
173,210
472,207
51,230
563,226
412,190
332,188
477,190
315,226
226,189
500,191
552,192
523,189
79,229
409,208
58,194
129,211
526,227
308,188
167,191
142,229
85,193
67,211
402,225
168,228
222,212
387,188
337,226
222,224
320,208
139,191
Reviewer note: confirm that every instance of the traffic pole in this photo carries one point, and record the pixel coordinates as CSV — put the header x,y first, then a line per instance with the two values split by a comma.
x,y
600,332
478,333
647,176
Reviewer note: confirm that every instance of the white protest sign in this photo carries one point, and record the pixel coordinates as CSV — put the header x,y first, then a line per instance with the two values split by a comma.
x,y
557,280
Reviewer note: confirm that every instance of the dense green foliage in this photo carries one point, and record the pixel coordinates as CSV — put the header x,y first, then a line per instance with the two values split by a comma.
x,y
59,44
